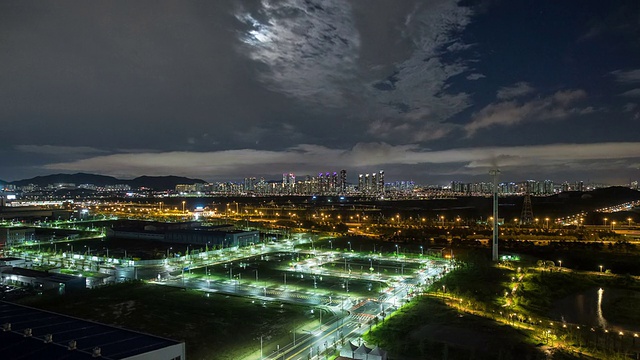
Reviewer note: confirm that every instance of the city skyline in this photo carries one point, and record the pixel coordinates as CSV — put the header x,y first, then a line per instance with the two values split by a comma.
x,y
437,91
325,183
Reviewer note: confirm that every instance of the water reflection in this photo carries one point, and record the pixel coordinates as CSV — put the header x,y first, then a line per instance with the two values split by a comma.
x,y
588,307
602,322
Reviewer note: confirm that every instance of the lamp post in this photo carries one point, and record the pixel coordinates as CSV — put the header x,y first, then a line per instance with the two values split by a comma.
x,y
349,245
183,203
397,250
600,268
494,251
605,221
613,225
629,219
560,261
421,251
547,222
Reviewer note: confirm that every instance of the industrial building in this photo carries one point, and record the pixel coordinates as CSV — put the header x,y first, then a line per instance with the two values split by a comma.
x,y
187,233
13,235
41,280
29,333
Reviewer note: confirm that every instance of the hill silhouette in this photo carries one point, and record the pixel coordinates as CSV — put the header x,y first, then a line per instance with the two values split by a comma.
x,y
152,182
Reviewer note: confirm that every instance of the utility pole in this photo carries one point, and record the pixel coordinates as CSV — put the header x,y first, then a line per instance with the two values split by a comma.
x,y
495,173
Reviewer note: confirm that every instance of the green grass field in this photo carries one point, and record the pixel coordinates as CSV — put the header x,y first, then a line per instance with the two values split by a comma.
x,y
428,329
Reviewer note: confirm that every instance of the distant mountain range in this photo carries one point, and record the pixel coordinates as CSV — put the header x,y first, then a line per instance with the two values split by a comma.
x,y
153,182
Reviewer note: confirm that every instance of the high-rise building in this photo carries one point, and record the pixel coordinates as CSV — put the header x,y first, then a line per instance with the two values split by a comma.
x,y
548,187
367,183
373,187
249,184
334,182
288,183
343,181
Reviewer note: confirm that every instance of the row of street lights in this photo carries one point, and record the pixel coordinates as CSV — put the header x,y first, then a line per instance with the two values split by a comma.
x,y
560,265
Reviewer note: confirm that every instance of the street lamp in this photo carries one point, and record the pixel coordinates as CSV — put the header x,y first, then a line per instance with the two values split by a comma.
x,y
349,245
421,251
629,219
183,202
600,268
560,261
397,250
547,222
613,225
605,221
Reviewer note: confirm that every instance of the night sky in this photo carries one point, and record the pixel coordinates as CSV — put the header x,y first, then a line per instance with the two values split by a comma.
x,y
429,91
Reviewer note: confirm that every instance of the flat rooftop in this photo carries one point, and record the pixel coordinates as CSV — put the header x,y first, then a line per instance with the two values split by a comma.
x,y
114,343
51,276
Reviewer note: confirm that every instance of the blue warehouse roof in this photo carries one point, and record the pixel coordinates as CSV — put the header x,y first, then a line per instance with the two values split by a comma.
x,y
114,343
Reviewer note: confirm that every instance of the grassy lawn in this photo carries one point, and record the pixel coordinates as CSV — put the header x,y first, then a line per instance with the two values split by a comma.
x,y
428,329
479,281
214,327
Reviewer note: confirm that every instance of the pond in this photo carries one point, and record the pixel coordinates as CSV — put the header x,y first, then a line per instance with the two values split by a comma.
x,y
597,307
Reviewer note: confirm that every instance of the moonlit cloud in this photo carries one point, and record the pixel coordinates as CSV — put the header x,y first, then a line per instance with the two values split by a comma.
x,y
628,76
475,76
509,113
311,52
416,93
310,48
515,91
631,93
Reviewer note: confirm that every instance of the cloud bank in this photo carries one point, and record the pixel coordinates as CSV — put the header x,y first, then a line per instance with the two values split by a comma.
x,y
308,159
